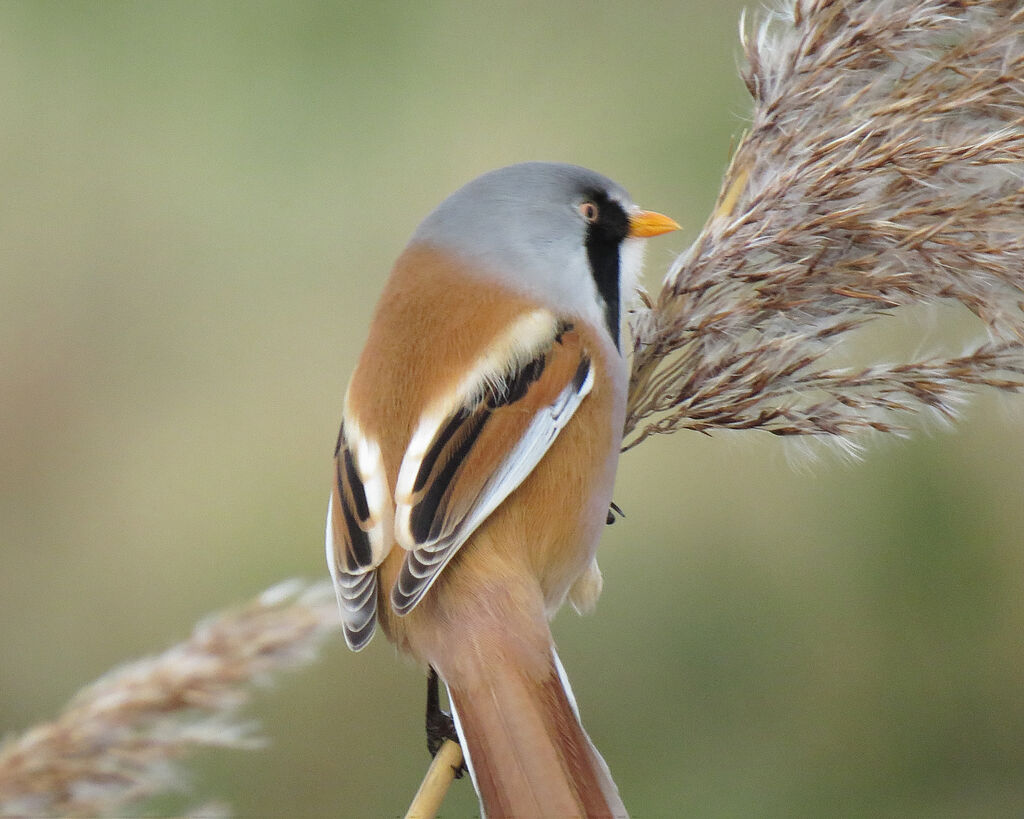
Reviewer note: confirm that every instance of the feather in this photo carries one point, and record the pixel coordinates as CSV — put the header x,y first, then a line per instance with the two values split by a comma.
x,y
463,463
356,539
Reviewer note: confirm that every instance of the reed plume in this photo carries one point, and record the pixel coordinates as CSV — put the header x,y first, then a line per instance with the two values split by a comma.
x,y
882,168
118,740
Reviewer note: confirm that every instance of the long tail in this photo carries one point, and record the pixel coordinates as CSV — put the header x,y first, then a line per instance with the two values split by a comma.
x,y
522,738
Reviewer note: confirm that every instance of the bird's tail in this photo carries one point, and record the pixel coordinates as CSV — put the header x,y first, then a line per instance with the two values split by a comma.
x,y
521,734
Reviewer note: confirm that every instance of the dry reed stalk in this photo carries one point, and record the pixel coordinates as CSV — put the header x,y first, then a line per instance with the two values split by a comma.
x,y
434,787
118,740
882,168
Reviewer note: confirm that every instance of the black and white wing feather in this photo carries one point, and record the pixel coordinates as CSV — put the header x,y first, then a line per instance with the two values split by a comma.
x,y
358,519
466,457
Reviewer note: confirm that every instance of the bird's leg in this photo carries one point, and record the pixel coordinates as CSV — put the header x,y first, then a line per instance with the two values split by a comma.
x,y
440,725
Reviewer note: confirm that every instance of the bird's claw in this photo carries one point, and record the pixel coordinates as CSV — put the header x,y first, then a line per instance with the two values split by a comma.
x,y
440,725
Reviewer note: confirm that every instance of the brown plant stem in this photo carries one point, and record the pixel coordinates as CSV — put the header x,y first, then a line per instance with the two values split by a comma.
x,y
434,787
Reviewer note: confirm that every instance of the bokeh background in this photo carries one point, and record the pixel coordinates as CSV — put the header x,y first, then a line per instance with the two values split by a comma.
x,y
199,202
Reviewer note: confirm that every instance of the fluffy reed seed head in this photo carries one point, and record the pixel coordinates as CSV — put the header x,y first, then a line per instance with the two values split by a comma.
x,y
882,168
118,740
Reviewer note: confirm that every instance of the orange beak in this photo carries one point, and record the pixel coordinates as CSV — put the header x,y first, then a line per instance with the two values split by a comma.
x,y
646,223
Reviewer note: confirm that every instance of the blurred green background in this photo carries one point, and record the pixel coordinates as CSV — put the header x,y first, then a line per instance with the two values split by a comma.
x,y
198,205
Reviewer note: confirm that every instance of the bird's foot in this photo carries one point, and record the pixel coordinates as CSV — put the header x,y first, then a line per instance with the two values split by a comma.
x,y
440,725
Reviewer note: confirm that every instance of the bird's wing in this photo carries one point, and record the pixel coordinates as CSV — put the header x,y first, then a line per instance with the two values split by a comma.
x,y
471,451
358,520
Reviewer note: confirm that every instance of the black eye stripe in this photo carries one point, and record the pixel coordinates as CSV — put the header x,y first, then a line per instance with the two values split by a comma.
x,y
603,239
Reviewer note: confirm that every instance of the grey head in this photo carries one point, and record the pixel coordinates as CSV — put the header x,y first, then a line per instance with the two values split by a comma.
x,y
529,227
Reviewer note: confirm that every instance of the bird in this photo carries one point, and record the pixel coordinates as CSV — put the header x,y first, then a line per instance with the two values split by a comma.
x,y
475,461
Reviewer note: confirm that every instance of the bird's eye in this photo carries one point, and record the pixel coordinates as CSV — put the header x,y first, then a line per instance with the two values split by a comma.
x,y
588,210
